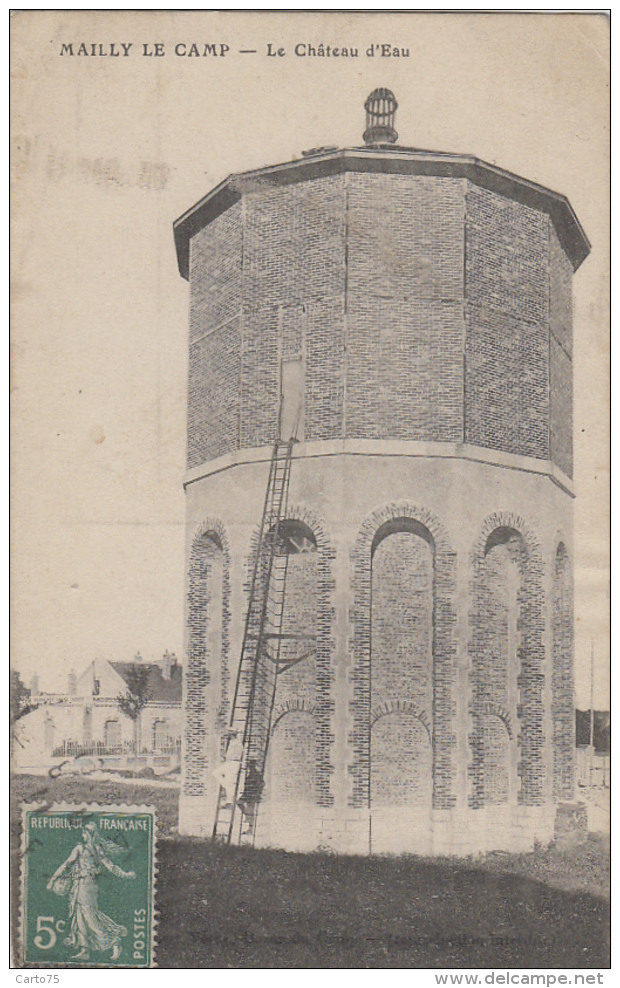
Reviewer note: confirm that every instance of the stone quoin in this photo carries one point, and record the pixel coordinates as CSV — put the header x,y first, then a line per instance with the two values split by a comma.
x,y
415,307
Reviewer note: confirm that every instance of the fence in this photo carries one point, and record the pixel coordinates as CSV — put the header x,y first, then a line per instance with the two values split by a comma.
x,y
71,749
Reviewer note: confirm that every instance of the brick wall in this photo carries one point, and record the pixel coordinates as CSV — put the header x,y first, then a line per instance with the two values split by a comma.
x,y
560,356
401,669
292,760
383,525
506,654
213,411
507,351
404,307
402,620
423,307
401,765
216,288
306,686
205,683
496,744
562,704
293,303
291,773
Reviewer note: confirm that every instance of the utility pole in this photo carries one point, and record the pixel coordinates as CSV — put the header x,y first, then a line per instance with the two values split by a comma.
x,y
591,747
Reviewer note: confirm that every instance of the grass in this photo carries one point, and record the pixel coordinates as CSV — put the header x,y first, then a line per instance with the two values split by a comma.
x,y
238,907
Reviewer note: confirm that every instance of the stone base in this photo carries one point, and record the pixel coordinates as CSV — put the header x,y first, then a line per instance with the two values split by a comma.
x,y
399,830
196,816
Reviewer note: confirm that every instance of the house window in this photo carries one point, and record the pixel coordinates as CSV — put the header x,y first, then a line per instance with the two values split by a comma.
x,y
95,687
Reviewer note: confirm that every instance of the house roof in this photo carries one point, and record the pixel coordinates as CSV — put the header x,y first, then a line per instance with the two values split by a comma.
x,y
391,160
161,690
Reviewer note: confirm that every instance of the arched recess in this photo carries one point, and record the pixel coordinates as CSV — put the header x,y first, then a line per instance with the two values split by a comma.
x,y
499,777
291,766
506,655
401,757
401,659
403,564
562,682
304,683
206,678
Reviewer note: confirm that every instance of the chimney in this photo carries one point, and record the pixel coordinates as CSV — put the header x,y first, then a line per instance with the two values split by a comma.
x,y
167,663
380,109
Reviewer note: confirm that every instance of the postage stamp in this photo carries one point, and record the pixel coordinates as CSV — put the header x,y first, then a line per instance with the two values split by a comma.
x,y
88,885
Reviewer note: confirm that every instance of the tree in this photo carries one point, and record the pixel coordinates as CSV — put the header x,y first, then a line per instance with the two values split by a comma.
x,y
602,730
135,700
19,699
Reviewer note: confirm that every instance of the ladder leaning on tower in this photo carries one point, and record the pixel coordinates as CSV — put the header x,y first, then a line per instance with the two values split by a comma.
x,y
247,743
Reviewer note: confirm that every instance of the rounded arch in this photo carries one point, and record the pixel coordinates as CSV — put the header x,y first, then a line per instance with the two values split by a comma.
x,y
305,522
390,519
292,706
499,528
404,707
297,536
401,524
496,710
405,512
213,529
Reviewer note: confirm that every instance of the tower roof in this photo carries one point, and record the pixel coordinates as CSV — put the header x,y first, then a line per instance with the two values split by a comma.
x,y
386,159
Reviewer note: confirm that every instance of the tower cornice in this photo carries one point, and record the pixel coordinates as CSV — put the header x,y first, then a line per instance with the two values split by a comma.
x,y
392,160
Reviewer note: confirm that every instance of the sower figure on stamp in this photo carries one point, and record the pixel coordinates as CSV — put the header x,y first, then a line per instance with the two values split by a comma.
x,y
250,797
77,877
226,773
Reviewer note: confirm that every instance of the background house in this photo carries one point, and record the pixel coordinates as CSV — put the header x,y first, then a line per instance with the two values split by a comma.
x,y
87,719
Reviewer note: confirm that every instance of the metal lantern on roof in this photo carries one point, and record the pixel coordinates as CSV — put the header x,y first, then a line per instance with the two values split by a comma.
x,y
380,109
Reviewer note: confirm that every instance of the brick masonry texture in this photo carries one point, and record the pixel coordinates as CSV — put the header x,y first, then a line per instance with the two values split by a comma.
x,y
385,523
423,308
207,652
291,770
563,716
216,267
507,351
419,308
401,765
213,413
560,357
404,307
401,669
506,651
402,620
307,686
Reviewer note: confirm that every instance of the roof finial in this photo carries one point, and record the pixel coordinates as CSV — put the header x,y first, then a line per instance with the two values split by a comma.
x,y
380,109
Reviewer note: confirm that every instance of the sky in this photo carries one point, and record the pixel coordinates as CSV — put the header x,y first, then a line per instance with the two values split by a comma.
x,y
107,151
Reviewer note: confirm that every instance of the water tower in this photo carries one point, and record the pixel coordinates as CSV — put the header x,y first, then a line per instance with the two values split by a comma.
x,y
406,315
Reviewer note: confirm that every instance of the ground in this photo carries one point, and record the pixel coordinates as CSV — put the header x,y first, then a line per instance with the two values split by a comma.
x,y
237,907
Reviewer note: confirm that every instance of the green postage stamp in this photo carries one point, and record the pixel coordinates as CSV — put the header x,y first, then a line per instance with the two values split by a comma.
x,y
88,883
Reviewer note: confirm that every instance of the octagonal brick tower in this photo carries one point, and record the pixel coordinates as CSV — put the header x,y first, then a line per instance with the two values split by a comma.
x,y
415,307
